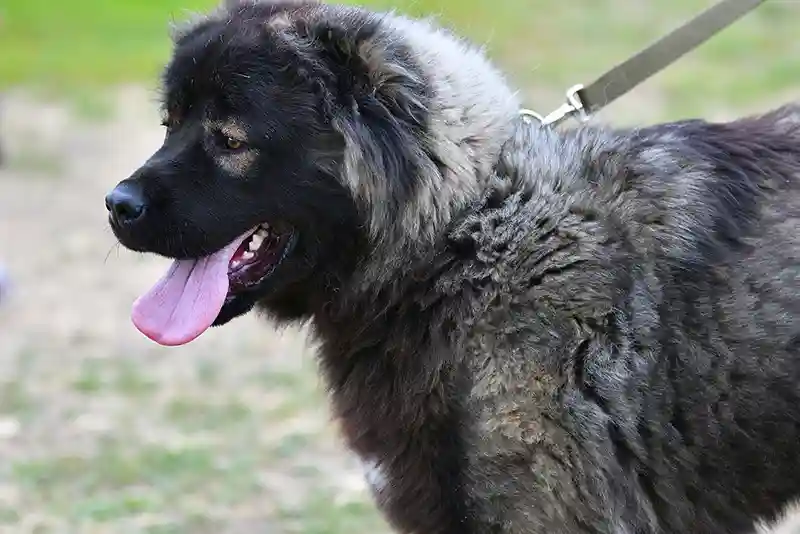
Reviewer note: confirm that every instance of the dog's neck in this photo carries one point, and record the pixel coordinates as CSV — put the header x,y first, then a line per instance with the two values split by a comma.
x,y
473,112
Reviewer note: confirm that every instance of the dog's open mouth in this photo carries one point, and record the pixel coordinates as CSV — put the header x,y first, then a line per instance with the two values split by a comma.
x,y
189,297
256,258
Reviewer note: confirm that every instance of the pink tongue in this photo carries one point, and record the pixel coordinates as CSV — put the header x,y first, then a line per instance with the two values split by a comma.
x,y
187,299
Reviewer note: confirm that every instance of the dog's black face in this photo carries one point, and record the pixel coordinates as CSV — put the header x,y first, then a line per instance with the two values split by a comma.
x,y
249,162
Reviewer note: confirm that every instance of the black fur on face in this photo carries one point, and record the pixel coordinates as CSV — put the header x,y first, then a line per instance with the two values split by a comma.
x,y
255,99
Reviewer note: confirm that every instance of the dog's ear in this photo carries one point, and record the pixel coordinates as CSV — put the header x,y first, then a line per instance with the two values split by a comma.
x,y
377,68
380,100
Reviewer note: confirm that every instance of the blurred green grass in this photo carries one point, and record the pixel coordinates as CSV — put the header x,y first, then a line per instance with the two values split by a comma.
x,y
77,47
86,42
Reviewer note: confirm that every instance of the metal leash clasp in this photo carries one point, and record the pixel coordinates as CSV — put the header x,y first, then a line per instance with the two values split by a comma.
x,y
573,106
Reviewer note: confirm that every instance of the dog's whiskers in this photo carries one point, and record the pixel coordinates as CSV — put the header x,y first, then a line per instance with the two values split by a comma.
x,y
111,249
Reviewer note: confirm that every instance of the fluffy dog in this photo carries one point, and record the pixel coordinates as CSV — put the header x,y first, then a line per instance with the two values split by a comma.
x,y
524,331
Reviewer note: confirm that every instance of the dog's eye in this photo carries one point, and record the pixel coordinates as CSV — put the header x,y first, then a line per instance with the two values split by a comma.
x,y
233,144
224,142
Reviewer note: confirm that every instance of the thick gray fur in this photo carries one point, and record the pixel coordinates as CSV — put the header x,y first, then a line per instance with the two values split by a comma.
x,y
585,331
634,354
628,318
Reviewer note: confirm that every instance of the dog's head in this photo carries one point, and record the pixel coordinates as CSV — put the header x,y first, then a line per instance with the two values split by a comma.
x,y
298,137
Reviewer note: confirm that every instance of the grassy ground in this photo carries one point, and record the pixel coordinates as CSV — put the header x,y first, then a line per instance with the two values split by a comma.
x,y
546,44
103,432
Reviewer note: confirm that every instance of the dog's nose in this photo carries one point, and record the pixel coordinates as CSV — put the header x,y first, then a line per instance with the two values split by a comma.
x,y
126,203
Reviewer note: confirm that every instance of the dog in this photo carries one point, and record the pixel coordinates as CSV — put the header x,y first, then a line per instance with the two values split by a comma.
x,y
524,330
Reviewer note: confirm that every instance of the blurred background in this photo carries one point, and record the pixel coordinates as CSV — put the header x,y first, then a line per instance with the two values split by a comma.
x,y
102,431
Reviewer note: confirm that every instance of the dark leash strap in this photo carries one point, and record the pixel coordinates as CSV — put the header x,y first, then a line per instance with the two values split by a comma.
x,y
585,101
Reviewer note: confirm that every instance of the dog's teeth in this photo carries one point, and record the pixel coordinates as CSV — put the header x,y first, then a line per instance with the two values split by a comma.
x,y
256,241
248,255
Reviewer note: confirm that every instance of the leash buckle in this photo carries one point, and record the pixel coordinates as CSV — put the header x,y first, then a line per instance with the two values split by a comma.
x,y
573,106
